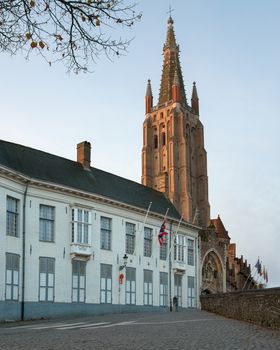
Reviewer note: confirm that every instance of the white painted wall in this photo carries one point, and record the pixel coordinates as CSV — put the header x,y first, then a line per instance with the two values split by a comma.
x,y
63,204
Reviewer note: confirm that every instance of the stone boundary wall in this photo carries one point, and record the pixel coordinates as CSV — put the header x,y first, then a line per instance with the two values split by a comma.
x,y
259,306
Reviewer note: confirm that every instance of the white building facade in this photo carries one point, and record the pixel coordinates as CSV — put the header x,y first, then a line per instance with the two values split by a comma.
x,y
68,247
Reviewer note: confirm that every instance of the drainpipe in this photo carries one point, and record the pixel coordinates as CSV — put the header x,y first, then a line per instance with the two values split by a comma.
x,y
23,251
170,266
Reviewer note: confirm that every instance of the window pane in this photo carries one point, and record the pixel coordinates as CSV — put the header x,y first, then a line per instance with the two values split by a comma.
x,y
15,293
82,295
75,281
102,297
133,286
51,265
8,292
74,295
51,280
9,276
42,296
133,300
82,282
50,294
80,215
43,279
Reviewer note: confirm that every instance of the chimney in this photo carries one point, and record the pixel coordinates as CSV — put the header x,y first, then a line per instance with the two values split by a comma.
x,y
83,154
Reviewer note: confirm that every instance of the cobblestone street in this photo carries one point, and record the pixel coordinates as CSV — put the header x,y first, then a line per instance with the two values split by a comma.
x,y
188,329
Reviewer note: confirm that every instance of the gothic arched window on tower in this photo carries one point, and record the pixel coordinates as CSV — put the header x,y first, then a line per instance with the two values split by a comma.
x,y
155,141
163,138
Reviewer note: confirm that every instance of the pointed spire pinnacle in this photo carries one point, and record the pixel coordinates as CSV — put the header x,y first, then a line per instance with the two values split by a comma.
x,y
176,79
194,91
171,68
195,100
149,97
149,88
197,218
170,41
176,87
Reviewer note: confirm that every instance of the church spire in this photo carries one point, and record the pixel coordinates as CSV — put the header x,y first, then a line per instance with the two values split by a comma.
x,y
171,65
149,97
195,100
176,88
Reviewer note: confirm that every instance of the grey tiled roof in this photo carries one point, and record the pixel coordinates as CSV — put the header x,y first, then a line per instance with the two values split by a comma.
x,y
57,170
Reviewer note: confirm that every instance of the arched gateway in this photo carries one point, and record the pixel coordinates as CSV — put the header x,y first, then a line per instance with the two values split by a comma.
x,y
212,273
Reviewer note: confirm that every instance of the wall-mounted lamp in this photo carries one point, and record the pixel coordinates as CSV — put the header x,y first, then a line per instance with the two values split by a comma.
x,y
125,258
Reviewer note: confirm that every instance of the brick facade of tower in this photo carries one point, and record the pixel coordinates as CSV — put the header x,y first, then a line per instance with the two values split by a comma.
x,y
174,159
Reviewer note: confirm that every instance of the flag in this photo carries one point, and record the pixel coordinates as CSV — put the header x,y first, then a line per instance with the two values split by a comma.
x,y
265,274
258,266
162,233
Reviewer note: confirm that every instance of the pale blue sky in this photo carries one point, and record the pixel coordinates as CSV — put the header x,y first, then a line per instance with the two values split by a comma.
x,y
231,49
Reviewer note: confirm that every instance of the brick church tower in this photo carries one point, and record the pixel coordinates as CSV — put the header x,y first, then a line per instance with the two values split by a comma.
x,y
174,160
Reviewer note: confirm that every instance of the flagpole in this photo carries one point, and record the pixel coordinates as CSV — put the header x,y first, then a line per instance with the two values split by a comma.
x,y
147,213
252,279
250,275
166,214
172,244
144,222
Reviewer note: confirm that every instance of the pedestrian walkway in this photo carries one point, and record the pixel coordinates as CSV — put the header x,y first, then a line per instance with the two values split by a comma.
x,y
186,329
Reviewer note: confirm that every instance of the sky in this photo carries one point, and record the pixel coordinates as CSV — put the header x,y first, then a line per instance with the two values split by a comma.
x,y
231,49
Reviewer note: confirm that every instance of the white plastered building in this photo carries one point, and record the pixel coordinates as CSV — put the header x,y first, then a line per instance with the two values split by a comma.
x,y
75,240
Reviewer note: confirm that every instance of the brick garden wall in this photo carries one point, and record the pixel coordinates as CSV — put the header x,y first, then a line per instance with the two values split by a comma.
x,y
260,306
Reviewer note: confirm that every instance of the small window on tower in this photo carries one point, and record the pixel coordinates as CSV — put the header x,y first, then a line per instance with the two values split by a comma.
x,y
163,138
155,141
161,115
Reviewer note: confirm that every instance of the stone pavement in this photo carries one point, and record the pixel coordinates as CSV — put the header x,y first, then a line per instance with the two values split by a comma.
x,y
186,329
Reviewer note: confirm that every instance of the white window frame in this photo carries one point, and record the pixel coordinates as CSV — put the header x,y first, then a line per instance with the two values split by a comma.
x,y
46,223
79,282
105,233
180,248
46,279
12,216
130,234
163,250
148,241
163,289
148,287
105,284
12,276
191,252
178,279
81,225
130,286
191,292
